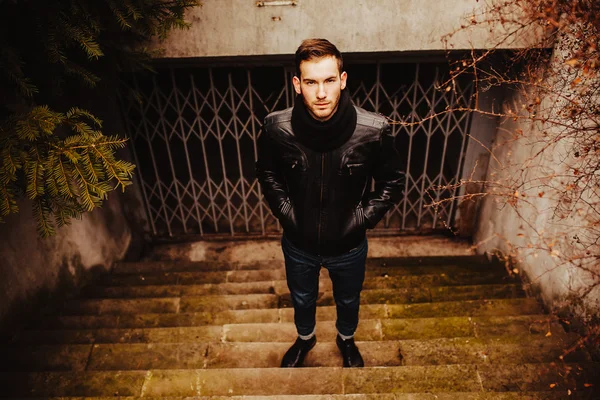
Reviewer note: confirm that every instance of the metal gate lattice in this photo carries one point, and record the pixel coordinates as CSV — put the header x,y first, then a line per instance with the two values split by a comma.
x,y
194,134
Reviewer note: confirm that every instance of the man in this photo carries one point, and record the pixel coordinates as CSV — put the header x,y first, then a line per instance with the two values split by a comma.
x,y
315,164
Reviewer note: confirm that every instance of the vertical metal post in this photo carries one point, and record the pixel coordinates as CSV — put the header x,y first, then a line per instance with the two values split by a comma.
x,y
394,103
206,167
239,153
254,143
225,180
439,180
187,153
410,142
429,134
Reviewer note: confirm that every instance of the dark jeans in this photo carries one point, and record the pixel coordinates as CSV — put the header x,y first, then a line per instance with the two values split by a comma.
x,y
347,273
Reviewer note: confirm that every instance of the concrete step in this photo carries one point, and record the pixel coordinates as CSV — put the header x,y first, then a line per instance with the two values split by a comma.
x,y
256,275
323,380
540,395
494,307
280,286
216,303
444,351
522,327
155,266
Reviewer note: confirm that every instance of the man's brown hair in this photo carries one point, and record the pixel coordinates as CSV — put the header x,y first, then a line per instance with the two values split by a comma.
x,y
317,48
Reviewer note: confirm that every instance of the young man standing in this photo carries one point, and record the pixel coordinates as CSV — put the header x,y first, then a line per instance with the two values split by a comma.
x,y
315,165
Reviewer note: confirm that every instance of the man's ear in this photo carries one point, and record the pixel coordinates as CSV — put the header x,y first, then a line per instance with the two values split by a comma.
x,y
343,78
296,83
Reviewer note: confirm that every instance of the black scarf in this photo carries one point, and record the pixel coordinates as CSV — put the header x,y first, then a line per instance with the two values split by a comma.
x,y
328,135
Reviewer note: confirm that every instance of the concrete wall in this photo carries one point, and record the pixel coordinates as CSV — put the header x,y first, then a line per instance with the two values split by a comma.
x,y
544,228
240,28
39,272
476,162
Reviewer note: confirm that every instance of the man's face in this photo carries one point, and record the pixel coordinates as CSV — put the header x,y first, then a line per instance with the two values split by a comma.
x,y
320,85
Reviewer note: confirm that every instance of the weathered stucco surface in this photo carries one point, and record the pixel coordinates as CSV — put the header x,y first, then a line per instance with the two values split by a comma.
x,y
541,231
240,28
36,272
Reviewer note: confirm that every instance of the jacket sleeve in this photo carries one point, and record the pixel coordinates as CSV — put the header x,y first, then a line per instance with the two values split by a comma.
x,y
389,180
271,180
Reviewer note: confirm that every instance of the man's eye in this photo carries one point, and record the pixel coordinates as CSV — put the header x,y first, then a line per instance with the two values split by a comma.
x,y
309,83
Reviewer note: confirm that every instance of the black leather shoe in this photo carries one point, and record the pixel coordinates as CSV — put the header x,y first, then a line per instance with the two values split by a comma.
x,y
350,353
294,357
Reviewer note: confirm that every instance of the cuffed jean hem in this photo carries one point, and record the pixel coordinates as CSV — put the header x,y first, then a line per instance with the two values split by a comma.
x,y
306,337
344,337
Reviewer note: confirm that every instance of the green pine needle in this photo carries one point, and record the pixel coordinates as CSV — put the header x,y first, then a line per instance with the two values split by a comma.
x,y
42,212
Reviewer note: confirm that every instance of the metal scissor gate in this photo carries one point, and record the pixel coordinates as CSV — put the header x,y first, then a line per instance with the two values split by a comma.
x,y
194,130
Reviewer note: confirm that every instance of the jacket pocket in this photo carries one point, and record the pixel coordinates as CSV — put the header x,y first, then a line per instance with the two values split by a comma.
x,y
360,215
355,222
288,216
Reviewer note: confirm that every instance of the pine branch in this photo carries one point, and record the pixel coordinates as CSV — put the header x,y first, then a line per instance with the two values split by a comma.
x,y
35,171
121,171
121,19
51,182
76,112
63,177
8,203
85,75
55,54
10,66
39,120
65,210
133,12
96,170
78,35
82,128
41,212
10,164
88,197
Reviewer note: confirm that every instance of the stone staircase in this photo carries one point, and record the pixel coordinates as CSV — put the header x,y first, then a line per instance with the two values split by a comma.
x,y
431,328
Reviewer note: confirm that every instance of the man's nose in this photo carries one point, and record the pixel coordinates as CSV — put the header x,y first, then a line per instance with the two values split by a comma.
x,y
321,92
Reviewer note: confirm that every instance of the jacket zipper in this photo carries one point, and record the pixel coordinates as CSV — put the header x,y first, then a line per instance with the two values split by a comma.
x,y
321,201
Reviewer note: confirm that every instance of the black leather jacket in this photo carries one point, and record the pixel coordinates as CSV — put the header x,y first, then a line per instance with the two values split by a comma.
x,y
323,200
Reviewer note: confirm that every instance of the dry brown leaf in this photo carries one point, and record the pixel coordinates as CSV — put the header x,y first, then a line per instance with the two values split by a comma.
x,y
572,62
